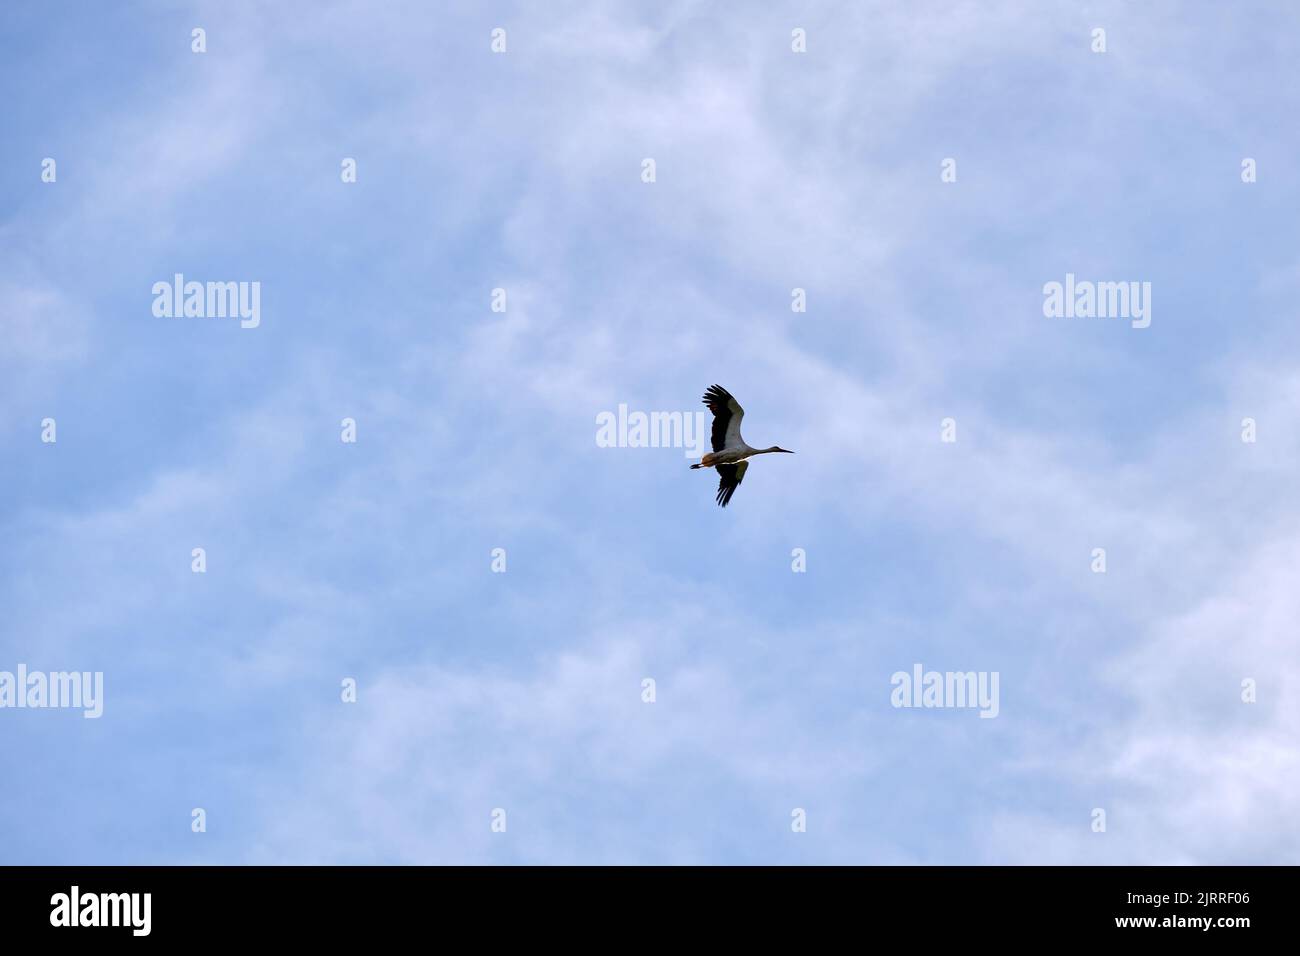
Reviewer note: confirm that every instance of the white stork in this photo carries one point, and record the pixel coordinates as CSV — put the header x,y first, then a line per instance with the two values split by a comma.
x,y
729,449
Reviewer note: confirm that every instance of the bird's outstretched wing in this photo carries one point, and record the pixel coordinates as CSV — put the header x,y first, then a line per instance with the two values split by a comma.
x,y
729,479
727,414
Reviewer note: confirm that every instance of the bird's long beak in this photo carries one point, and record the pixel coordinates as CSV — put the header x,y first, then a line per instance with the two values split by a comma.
x,y
787,451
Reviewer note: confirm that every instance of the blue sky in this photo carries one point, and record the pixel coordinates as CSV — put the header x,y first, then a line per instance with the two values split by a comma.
x,y
476,430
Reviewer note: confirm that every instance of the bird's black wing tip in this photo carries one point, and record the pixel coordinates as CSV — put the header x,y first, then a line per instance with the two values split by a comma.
x,y
716,393
728,482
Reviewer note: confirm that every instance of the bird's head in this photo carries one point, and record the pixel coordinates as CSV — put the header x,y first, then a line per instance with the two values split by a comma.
x,y
785,451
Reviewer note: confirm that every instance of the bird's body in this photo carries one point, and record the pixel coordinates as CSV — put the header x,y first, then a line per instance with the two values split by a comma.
x,y
728,456
730,452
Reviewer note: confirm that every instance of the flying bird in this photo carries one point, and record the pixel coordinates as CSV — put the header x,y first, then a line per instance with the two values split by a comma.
x,y
729,449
